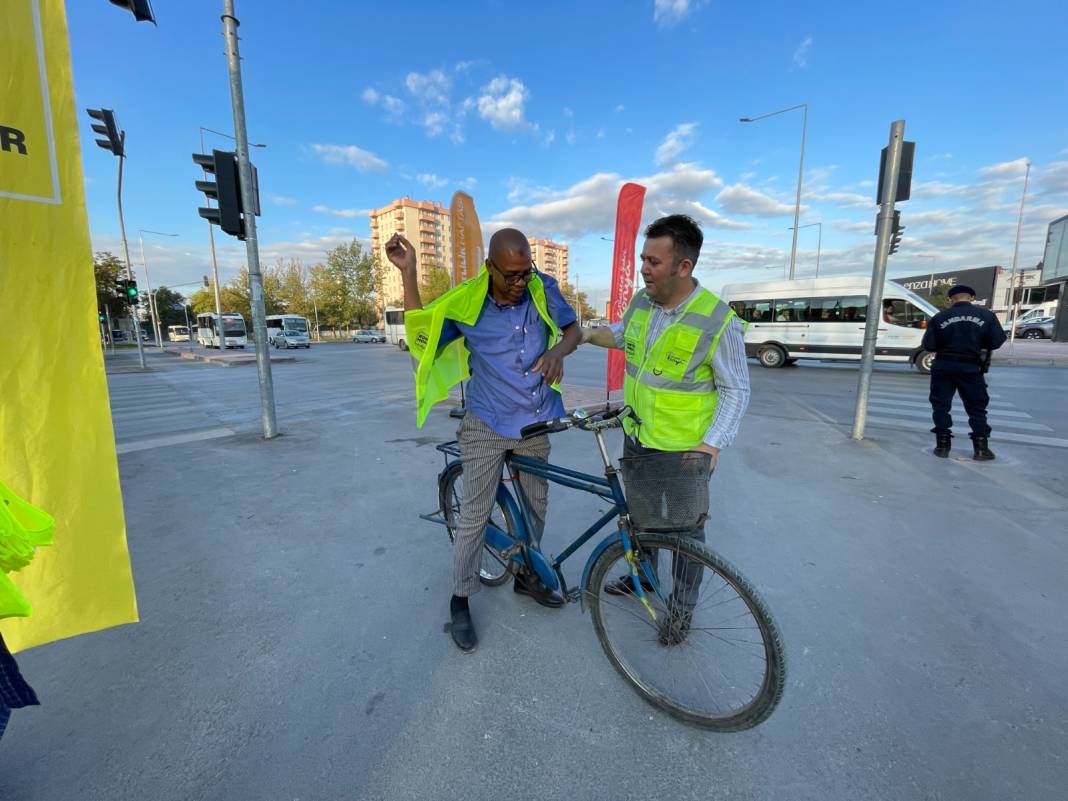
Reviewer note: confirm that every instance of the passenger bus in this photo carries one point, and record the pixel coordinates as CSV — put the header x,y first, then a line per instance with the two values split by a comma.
x,y
824,318
293,325
395,327
233,330
178,333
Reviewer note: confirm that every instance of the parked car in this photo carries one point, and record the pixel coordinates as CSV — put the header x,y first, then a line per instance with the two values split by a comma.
x,y
290,339
369,336
1036,329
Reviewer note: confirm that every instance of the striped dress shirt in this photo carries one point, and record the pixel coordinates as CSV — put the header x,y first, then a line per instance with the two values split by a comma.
x,y
728,363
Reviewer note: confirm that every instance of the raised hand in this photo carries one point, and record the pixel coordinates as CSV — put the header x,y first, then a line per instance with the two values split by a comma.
x,y
402,253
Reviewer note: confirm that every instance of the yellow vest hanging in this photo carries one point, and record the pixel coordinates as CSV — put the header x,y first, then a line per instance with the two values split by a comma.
x,y
671,386
437,372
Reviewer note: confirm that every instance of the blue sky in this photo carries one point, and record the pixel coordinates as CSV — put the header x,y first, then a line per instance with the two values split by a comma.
x,y
540,110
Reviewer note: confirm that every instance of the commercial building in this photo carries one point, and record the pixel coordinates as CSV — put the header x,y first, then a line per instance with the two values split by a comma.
x,y
551,257
426,225
1055,274
993,287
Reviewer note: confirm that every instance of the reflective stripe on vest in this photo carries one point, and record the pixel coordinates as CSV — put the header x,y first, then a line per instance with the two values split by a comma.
x,y
671,384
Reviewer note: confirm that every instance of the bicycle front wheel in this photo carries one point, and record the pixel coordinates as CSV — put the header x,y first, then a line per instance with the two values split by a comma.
x,y
712,657
494,569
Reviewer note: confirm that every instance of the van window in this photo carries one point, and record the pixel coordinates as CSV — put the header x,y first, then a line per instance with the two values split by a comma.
x,y
825,310
791,311
901,312
756,311
855,309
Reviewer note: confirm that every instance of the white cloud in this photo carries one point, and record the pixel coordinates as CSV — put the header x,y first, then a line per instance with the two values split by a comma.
x,y
1051,179
569,113
843,199
347,214
550,137
743,199
589,206
394,105
671,12
1005,169
432,180
675,143
501,103
281,200
370,96
430,88
570,138
801,54
620,108
468,183
435,122
362,160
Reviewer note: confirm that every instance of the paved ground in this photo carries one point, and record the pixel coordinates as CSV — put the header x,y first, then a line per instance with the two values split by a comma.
x,y
1034,352
291,642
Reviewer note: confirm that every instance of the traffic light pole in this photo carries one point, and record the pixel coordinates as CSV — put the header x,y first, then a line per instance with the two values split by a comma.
x,y
248,197
129,269
878,275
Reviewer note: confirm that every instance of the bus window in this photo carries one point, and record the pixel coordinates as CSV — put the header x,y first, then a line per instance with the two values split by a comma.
x,y
825,310
791,311
757,311
901,312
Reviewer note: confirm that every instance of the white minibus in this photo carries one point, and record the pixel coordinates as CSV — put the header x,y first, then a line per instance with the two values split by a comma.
x,y
234,335
824,318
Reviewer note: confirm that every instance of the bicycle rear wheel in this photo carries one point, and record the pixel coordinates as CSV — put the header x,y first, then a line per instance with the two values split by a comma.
x,y
494,569
713,657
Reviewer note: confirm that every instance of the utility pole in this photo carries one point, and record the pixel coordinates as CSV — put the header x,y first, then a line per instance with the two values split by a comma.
x,y
1015,255
249,202
885,222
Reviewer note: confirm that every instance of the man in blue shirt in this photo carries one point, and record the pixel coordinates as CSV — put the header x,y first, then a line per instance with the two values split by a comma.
x,y
512,373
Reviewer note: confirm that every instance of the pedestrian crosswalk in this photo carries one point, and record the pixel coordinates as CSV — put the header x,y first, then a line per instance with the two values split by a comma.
x,y
904,405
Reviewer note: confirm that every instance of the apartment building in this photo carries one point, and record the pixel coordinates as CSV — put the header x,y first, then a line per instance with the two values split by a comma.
x,y
426,225
551,257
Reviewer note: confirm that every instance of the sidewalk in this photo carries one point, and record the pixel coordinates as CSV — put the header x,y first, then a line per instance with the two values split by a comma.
x,y
1033,353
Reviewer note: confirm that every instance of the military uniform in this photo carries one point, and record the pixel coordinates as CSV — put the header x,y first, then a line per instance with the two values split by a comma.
x,y
961,338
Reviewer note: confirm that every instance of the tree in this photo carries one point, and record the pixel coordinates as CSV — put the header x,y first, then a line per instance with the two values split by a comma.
x,y
577,301
344,287
939,297
170,306
294,290
108,270
435,284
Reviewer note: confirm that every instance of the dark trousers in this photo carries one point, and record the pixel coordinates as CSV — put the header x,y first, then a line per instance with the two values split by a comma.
x,y
972,388
685,573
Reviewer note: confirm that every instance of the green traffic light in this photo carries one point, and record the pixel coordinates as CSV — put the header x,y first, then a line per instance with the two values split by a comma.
x,y
101,317
132,292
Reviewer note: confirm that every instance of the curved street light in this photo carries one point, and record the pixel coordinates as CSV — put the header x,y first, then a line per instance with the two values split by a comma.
x,y
800,171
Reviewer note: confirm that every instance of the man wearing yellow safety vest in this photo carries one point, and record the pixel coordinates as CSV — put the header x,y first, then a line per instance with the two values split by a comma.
x,y
510,328
687,378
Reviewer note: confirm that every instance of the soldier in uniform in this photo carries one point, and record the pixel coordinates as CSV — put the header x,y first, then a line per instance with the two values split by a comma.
x,y
962,337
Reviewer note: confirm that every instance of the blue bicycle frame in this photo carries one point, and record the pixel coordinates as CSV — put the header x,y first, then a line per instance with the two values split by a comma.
x,y
519,548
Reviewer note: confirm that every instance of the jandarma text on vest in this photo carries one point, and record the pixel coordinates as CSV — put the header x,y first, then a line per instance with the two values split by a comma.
x,y
979,321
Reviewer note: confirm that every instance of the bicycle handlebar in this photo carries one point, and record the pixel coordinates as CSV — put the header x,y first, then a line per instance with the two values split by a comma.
x,y
578,418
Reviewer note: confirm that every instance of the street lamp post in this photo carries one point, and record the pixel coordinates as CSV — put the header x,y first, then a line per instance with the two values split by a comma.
x,y
800,171
1015,308
819,243
152,309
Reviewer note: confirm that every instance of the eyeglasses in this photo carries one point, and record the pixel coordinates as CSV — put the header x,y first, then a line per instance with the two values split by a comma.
x,y
514,279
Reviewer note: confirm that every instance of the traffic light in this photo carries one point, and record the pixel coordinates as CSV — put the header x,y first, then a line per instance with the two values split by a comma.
x,y
141,9
226,191
101,317
128,289
108,128
895,233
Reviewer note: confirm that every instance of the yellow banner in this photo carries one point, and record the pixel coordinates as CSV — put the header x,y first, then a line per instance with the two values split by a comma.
x,y
467,253
57,448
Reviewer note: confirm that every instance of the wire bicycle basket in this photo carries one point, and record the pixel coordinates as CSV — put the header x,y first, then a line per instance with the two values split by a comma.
x,y
667,491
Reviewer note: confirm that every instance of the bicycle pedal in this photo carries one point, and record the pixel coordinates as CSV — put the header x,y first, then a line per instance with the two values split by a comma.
x,y
574,594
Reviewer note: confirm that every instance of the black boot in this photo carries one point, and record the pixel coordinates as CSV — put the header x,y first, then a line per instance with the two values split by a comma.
x,y
982,452
943,442
462,628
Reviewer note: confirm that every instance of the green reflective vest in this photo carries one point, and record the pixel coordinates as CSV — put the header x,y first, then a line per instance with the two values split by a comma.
x,y
23,528
672,386
437,372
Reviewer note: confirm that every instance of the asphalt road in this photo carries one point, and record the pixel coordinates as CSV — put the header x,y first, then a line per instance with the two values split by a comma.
x,y
292,604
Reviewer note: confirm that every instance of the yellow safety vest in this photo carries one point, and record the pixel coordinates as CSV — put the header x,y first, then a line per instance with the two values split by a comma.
x,y
23,528
672,386
436,373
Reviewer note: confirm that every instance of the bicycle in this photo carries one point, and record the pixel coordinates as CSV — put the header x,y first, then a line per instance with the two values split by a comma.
x,y
660,628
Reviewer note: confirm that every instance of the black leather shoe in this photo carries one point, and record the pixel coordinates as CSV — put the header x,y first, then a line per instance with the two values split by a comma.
x,y
982,449
463,631
624,586
943,444
526,584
